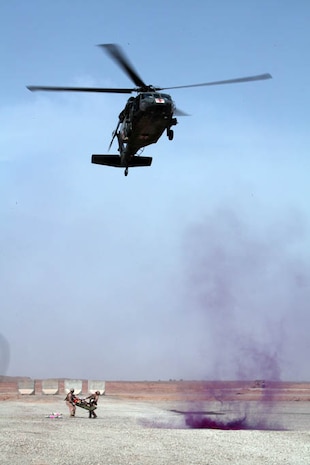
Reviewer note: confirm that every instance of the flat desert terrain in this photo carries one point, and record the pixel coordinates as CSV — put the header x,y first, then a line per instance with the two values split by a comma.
x,y
147,423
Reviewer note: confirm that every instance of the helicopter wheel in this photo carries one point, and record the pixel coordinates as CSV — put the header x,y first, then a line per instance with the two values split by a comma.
x,y
126,171
170,134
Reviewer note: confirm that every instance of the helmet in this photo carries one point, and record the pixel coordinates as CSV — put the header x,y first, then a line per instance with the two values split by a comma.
x,y
98,392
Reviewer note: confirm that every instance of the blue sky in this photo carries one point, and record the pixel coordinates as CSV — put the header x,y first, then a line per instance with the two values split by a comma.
x,y
195,268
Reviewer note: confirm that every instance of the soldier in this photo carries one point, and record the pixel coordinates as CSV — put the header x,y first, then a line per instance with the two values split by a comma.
x,y
70,402
93,400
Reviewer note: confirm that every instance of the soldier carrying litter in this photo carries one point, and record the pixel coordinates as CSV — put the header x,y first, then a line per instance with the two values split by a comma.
x,y
70,397
93,400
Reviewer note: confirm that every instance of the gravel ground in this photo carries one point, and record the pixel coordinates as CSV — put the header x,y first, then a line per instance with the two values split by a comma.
x,y
145,433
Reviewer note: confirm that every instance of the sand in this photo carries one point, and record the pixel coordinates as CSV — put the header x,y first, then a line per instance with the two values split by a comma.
x,y
144,432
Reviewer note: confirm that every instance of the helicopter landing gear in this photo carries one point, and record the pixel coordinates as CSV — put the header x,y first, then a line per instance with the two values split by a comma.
x,y
126,171
170,134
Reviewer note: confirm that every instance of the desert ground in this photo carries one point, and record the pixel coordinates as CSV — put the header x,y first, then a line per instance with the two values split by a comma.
x,y
176,423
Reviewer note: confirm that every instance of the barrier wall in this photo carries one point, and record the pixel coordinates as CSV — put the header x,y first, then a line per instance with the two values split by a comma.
x,y
50,386
75,384
8,387
26,386
95,385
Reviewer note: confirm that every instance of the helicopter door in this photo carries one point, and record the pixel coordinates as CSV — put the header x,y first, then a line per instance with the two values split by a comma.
x,y
126,130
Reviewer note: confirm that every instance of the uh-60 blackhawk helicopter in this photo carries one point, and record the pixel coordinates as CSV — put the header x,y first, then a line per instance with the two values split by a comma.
x,y
145,117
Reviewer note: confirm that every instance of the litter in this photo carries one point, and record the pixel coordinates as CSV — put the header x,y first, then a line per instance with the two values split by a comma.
x,y
83,403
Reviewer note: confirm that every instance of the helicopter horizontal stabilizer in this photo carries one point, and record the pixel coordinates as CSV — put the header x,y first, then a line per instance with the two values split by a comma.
x,y
115,160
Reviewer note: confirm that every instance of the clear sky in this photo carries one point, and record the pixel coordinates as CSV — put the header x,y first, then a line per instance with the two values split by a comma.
x,y
195,268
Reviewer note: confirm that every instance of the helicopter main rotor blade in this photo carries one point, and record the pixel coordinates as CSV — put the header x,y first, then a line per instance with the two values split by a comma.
x,y
259,77
82,89
118,55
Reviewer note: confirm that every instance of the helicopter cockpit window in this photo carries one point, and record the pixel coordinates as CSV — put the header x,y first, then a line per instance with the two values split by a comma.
x,y
146,95
152,95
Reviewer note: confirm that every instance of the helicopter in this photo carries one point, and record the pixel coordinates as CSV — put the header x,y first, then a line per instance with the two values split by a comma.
x,y
145,117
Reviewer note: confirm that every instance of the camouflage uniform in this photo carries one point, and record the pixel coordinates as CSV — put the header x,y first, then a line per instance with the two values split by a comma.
x,y
93,400
70,402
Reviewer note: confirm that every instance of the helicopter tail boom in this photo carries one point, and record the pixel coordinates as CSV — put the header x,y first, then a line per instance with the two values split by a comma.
x,y
116,160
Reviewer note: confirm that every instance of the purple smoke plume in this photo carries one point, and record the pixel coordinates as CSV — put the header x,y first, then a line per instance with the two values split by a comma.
x,y
249,291
246,287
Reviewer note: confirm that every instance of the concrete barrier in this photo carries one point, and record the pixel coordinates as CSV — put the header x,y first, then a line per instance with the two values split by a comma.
x,y
26,386
50,386
75,384
94,385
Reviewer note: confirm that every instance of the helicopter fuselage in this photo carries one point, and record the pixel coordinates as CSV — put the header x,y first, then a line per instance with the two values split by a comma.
x,y
143,121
